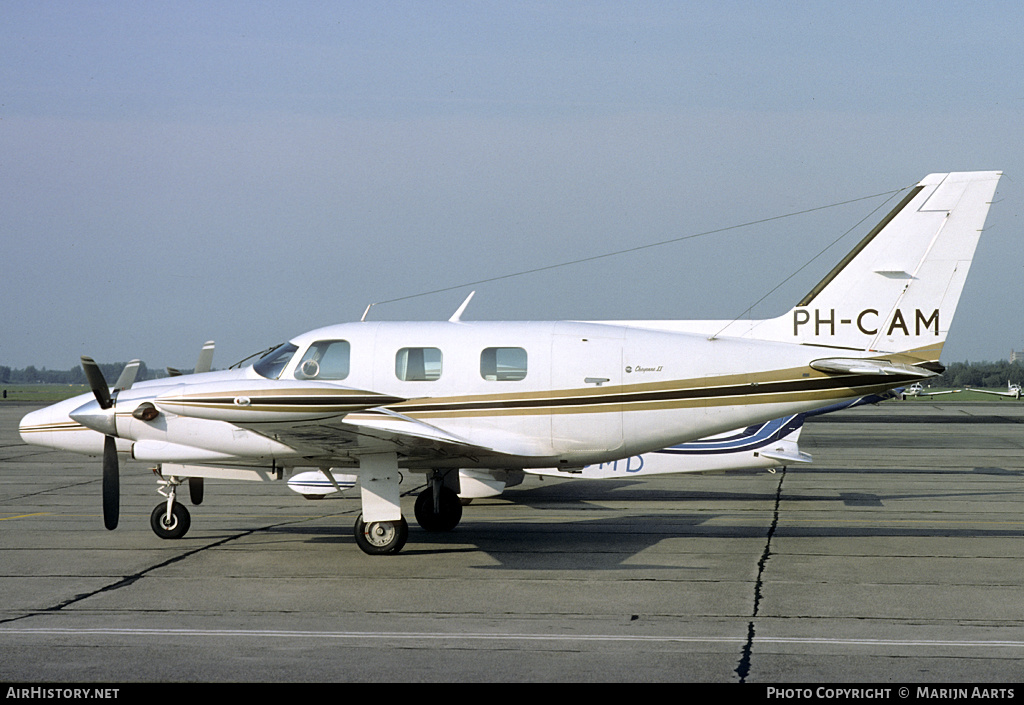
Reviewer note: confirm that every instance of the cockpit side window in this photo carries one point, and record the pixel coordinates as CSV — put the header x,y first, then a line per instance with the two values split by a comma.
x,y
418,364
325,359
503,364
271,364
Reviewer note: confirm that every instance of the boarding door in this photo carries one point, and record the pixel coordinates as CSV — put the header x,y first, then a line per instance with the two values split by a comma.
x,y
586,376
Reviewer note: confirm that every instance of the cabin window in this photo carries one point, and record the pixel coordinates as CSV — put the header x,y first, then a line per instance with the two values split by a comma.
x,y
418,364
271,364
503,364
325,359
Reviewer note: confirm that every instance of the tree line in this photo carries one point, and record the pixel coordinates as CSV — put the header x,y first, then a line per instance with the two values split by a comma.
x,y
979,374
957,374
34,375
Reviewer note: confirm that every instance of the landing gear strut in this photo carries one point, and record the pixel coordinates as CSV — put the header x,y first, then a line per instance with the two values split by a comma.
x,y
386,531
170,520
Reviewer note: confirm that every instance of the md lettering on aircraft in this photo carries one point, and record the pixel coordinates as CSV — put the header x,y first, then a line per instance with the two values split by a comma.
x,y
634,463
826,322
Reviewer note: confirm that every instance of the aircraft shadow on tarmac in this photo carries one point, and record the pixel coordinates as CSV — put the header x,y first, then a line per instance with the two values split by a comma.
x,y
602,542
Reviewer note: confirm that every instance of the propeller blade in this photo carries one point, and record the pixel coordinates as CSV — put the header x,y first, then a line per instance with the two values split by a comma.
x,y
97,382
111,484
195,490
127,378
205,363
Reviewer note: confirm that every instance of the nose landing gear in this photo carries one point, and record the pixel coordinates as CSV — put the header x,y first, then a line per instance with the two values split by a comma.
x,y
170,519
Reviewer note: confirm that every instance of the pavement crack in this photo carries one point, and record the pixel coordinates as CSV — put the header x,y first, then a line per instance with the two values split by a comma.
x,y
743,669
131,579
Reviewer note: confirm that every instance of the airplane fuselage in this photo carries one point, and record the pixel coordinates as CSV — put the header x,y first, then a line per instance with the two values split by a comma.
x,y
517,394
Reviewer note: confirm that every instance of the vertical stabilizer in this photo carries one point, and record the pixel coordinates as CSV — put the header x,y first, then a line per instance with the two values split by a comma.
x,y
898,289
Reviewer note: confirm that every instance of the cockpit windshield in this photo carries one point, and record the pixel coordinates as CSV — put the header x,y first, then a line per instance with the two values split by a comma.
x,y
271,364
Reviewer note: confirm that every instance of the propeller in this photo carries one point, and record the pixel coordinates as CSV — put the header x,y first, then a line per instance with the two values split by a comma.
x,y
205,361
204,364
111,484
99,416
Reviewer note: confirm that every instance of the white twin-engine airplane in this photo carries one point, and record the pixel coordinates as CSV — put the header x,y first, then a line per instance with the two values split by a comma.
x,y
490,399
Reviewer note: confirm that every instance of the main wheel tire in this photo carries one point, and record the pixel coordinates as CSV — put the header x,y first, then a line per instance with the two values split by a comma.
x,y
450,506
380,538
178,525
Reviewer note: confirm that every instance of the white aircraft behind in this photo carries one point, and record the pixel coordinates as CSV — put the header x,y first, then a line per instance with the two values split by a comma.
x,y
1012,390
917,390
373,398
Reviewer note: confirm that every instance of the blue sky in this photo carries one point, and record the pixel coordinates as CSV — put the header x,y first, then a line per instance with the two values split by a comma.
x,y
173,172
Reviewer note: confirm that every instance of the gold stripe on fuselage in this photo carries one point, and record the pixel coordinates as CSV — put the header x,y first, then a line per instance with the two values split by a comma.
x,y
778,386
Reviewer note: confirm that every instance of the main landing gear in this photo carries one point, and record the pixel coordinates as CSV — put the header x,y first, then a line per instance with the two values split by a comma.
x,y
437,508
380,538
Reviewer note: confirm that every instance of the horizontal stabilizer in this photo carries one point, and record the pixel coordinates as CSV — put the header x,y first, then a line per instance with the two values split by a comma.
x,y
854,366
786,457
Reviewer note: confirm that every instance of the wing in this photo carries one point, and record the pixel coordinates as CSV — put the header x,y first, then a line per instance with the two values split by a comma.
x,y
990,391
330,425
342,440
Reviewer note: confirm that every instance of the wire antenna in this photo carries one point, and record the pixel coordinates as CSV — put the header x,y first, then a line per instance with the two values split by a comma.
x,y
892,195
648,246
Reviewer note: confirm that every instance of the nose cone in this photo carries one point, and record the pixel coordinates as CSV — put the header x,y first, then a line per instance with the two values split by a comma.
x,y
92,415
34,424
52,427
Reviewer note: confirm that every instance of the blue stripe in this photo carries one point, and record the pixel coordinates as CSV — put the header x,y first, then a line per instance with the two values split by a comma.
x,y
322,483
750,438
760,435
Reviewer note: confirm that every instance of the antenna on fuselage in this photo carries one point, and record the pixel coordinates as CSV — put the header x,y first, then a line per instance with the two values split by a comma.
x,y
457,316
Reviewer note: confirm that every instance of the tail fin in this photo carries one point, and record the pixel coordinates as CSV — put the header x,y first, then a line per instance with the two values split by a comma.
x,y
898,289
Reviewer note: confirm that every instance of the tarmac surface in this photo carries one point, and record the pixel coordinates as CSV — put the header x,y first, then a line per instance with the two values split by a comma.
x,y
897,557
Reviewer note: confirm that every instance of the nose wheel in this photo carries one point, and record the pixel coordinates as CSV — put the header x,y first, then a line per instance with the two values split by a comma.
x,y
171,524
170,519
